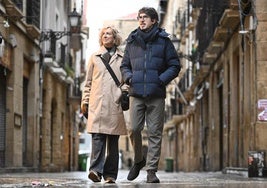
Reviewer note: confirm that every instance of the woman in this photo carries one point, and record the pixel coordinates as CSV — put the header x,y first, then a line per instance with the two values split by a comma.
x,y
101,100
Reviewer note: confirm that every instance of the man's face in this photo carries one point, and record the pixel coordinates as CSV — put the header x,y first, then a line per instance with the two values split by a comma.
x,y
145,22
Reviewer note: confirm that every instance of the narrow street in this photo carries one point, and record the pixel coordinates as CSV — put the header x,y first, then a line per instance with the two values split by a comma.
x,y
214,112
177,180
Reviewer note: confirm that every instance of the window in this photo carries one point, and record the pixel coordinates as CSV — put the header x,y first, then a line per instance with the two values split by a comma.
x,y
33,12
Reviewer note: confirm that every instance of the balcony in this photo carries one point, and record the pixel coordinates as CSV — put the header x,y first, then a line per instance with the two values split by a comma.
x,y
215,47
190,26
32,31
230,19
220,34
209,57
69,80
13,12
208,20
49,61
58,71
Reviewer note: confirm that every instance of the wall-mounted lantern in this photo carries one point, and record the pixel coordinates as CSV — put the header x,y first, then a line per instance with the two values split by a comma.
x,y
74,19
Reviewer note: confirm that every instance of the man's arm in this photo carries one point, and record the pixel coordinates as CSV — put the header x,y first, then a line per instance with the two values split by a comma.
x,y
173,63
126,68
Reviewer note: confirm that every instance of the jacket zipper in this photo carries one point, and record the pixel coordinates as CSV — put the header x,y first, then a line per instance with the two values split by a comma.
x,y
145,73
147,58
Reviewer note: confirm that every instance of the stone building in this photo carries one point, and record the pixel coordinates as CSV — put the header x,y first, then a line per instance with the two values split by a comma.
x,y
19,82
40,60
217,107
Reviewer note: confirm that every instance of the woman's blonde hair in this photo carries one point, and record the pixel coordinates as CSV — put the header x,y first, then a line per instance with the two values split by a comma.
x,y
116,35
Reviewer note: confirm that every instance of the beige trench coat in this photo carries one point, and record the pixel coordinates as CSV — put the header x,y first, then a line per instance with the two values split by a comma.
x,y
102,95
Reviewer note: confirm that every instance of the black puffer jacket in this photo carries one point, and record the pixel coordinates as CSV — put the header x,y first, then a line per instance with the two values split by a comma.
x,y
149,69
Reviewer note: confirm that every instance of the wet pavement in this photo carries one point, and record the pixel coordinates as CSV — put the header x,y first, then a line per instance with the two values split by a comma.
x,y
168,179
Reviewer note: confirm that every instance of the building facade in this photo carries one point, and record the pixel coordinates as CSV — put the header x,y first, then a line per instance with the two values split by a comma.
x,y
19,67
41,58
217,110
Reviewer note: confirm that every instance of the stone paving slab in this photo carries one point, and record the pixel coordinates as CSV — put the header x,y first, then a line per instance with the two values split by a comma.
x,y
169,179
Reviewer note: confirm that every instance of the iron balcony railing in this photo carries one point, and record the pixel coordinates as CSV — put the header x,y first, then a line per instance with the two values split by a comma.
x,y
210,15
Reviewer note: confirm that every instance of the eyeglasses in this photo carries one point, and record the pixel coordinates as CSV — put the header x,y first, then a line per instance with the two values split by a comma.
x,y
142,17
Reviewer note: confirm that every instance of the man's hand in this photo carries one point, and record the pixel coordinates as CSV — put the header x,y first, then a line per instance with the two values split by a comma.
x,y
129,81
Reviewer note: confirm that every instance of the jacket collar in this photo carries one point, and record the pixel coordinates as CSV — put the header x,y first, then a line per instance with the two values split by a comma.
x,y
133,34
103,50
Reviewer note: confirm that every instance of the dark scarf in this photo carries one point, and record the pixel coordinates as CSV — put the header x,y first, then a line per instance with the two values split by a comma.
x,y
144,37
110,52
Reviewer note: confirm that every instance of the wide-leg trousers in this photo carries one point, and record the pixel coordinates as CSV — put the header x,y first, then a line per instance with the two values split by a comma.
x,y
105,155
151,112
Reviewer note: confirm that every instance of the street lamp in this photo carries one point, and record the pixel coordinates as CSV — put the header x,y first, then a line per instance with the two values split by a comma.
x,y
74,19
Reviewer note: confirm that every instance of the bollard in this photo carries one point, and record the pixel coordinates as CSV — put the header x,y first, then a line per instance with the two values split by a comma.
x,y
82,162
169,164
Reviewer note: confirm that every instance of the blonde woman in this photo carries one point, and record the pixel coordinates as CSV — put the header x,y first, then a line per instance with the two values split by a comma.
x,y
100,99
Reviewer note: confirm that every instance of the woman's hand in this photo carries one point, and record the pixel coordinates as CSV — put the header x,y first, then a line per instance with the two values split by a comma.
x,y
84,110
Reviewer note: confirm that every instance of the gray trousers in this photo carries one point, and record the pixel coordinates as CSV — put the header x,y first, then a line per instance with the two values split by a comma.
x,y
102,162
151,112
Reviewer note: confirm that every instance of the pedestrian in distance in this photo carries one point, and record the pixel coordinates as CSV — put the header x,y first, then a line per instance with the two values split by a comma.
x,y
101,101
150,62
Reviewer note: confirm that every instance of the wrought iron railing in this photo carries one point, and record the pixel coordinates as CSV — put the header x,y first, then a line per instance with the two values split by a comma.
x,y
210,14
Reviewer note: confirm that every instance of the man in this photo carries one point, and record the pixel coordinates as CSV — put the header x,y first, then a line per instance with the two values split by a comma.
x,y
150,62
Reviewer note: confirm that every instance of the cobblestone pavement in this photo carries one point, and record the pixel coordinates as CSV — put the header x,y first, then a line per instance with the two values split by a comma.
x,y
169,179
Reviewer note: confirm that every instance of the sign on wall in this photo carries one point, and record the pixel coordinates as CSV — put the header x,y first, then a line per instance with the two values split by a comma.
x,y
262,110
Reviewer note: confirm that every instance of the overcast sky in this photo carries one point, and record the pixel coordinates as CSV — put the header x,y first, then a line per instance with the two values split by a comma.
x,y
100,10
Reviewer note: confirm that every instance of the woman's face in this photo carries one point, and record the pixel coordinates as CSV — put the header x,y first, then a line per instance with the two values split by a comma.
x,y
108,38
